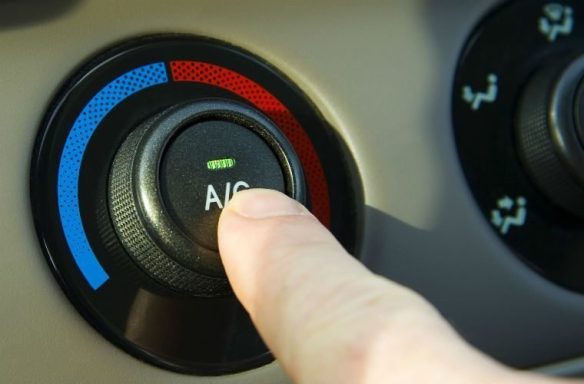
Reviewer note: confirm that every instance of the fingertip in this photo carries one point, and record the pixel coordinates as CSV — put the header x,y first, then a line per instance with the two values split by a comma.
x,y
239,220
264,203
248,227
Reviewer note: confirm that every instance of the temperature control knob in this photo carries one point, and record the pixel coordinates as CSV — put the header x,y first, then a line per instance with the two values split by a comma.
x,y
176,171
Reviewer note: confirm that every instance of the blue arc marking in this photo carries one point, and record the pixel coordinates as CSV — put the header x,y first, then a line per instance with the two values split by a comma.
x,y
70,164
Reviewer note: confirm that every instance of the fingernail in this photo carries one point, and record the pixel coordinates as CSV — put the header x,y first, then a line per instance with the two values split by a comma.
x,y
264,203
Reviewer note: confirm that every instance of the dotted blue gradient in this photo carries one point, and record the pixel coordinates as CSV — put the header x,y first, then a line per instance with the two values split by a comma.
x,y
70,165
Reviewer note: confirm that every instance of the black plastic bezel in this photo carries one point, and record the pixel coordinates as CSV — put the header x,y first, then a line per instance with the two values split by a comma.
x,y
220,337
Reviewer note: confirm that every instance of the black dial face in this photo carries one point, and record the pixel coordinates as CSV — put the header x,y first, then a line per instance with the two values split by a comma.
x,y
195,184
502,57
97,109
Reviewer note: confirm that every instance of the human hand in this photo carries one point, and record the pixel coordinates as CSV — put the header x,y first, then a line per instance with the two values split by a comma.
x,y
327,318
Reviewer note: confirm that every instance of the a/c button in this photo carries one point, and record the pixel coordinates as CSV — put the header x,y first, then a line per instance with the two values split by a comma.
x,y
204,165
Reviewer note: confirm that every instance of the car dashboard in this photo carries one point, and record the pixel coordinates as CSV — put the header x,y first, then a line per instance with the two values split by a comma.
x,y
416,110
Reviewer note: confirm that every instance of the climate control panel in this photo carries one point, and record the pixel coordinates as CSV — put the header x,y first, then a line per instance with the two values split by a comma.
x,y
137,156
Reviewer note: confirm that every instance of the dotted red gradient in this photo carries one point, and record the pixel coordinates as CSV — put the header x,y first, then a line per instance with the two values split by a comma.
x,y
240,85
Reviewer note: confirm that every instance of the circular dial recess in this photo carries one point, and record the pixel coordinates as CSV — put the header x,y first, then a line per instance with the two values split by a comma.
x,y
136,158
517,112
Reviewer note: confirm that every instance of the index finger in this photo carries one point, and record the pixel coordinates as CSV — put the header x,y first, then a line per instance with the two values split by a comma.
x,y
325,316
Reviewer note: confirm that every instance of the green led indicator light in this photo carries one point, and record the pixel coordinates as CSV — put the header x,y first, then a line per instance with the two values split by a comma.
x,y
220,164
